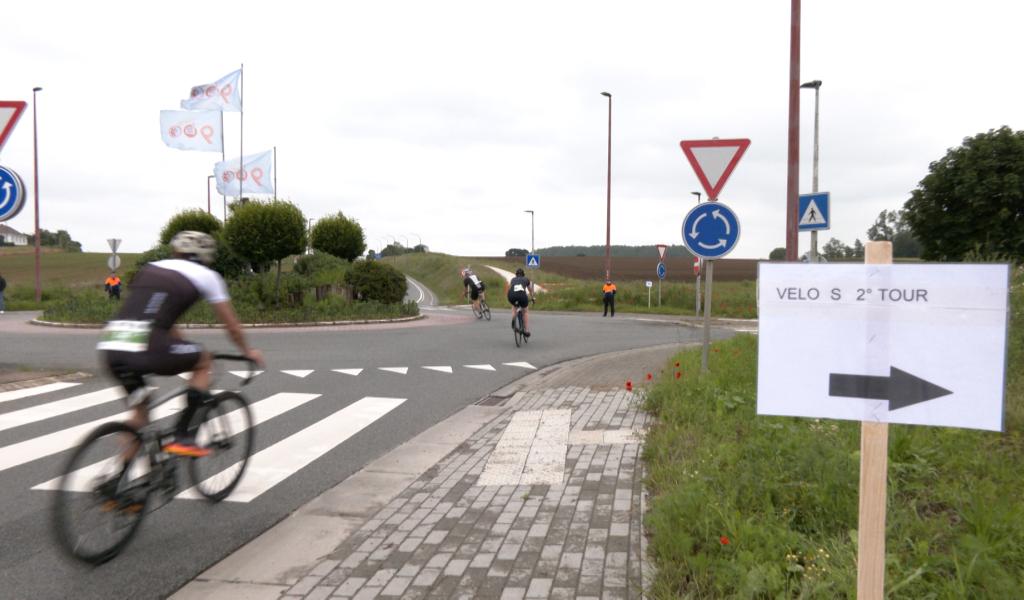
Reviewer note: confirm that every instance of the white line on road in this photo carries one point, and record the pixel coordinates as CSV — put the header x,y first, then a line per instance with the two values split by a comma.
x,y
352,372
481,367
440,369
298,373
273,465
522,365
35,391
399,370
59,407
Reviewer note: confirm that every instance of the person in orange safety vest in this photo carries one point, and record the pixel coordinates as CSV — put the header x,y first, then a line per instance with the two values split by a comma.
x,y
609,290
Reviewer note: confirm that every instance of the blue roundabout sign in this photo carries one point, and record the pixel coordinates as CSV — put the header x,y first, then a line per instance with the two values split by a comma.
x,y
12,194
711,230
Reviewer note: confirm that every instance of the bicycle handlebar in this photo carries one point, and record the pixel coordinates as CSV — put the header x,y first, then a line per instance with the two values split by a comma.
x,y
240,358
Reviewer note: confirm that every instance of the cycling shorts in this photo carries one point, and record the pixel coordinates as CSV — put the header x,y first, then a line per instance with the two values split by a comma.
x,y
520,299
474,293
164,355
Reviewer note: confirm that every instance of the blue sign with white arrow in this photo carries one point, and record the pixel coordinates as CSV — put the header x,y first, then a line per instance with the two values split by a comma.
x,y
812,212
12,194
661,270
533,261
711,230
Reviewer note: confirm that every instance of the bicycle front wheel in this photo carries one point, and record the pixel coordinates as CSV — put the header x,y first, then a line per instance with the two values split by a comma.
x,y
102,495
225,427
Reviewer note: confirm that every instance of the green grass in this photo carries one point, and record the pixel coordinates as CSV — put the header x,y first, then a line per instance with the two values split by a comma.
x,y
766,507
59,272
440,272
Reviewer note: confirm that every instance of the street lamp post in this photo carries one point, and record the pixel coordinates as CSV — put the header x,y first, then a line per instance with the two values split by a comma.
x,y
531,230
209,210
608,221
35,186
816,86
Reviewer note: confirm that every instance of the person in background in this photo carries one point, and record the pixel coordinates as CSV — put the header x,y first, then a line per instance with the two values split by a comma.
x,y
474,288
113,286
609,290
3,286
519,291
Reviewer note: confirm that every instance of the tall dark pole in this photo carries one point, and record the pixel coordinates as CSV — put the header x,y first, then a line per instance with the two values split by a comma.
x,y
35,186
608,221
793,172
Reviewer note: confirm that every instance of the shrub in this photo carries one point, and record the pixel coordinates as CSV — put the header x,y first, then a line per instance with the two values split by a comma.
x,y
372,280
338,235
264,232
193,219
318,262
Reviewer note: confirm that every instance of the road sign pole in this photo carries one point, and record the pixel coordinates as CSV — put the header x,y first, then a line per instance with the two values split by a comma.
x,y
707,316
874,468
659,292
649,295
697,312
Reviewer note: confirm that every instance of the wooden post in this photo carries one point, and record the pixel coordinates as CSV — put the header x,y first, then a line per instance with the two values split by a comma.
x,y
874,468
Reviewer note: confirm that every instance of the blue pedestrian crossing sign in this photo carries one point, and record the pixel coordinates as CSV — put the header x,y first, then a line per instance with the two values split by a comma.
x,y
533,261
812,212
661,270
711,230
12,194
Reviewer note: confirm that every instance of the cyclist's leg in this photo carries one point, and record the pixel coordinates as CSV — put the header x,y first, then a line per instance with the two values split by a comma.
x,y
181,356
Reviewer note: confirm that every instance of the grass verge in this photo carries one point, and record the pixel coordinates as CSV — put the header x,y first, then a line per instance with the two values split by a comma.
x,y
766,507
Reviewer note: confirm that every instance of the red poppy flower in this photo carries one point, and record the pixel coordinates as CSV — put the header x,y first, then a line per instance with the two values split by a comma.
x,y
650,377
724,540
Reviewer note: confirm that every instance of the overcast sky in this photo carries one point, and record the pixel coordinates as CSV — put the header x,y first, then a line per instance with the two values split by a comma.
x,y
443,121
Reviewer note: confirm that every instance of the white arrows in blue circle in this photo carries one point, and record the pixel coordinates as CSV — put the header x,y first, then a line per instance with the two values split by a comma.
x,y
711,230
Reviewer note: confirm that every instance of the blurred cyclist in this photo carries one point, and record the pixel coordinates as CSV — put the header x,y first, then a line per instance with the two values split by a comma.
x,y
474,289
519,291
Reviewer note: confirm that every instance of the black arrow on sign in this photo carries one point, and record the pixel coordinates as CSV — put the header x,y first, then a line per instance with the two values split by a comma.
x,y
900,388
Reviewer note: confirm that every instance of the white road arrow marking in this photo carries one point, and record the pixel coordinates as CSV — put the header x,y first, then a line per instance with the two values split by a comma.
x,y
301,373
399,370
440,369
352,372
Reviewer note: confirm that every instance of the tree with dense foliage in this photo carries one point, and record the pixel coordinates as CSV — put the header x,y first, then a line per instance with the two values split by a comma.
x,y
264,232
972,200
511,252
777,254
61,239
835,250
193,219
339,236
374,280
892,226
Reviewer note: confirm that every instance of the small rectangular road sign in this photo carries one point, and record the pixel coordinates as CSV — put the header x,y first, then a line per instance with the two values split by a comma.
x,y
533,261
915,344
813,212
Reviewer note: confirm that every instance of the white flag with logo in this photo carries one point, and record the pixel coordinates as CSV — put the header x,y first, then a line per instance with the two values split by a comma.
x,y
255,175
223,94
192,130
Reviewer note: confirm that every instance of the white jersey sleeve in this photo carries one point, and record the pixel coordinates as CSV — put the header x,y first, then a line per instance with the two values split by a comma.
x,y
210,284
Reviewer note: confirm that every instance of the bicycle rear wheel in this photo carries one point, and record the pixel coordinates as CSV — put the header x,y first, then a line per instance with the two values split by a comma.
x,y
101,498
486,310
522,327
225,427
517,331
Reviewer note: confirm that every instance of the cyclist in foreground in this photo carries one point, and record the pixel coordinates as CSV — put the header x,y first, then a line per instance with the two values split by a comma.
x,y
142,339
474,289
519,291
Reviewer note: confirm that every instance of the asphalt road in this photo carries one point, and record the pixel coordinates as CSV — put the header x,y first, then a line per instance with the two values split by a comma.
x,y
185,537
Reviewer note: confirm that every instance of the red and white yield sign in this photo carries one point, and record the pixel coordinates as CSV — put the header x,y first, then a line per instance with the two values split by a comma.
x,y
10,112
713,161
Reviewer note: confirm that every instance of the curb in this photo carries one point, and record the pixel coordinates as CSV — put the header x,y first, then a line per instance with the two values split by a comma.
x,y
43,323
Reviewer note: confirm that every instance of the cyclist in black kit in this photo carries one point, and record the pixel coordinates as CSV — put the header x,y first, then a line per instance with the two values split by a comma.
x,y
143,339
519,291
474,289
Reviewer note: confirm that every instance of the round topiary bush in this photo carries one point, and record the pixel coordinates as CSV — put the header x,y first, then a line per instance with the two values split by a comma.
x,y
373,280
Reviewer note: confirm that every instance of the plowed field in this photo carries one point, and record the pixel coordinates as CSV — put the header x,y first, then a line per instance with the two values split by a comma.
x,y
640,268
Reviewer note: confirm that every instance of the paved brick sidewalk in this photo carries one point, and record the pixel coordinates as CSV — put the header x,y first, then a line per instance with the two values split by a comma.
x,y
449,536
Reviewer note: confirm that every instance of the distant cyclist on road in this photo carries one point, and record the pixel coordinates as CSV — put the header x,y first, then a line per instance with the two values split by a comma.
x,y
519,291
143,339
474,289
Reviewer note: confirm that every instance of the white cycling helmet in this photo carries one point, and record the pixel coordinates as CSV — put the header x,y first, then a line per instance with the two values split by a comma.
x,y
200,246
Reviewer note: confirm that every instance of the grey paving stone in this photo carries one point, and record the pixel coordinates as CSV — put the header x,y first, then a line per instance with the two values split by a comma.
x,y
396,587
538,588
350,586
427,577
305,585
513,593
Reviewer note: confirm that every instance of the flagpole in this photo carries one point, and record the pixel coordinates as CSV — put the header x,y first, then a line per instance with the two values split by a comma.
x,y
275,172
223,197
241,127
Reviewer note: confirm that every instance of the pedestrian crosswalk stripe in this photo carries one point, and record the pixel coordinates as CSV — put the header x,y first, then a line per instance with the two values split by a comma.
x,y
299,373
262,411
58,441
352,372
440,369
399,370
522,365
59,407
35,390
274,464
481,367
